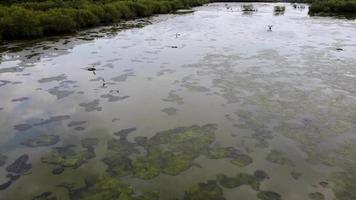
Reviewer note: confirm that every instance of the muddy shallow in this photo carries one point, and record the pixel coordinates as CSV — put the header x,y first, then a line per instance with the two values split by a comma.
x,y
283,101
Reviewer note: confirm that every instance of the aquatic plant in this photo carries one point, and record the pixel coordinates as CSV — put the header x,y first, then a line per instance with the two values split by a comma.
x,y
67,156
146,167
316,196
268,195
278,157
20,165
174,164
118,165
261,175
204,191
240,179
41,140
242,160
222,152
108,188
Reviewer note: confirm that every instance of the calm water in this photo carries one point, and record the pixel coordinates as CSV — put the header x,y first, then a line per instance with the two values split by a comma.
x,y
284,101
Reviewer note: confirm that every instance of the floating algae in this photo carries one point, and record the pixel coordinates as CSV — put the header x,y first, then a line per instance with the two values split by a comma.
x,y
316,196
108,188
170,152
173,164
118,157
67,156
268,195
20,165
278,157
204,191
41,140
147,167
226,152
242,160
242,179
261,175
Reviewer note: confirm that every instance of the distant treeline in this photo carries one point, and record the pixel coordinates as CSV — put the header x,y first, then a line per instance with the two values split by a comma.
x,y
22,19
333,7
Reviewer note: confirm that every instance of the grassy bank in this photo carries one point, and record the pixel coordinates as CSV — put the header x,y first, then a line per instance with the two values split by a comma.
x,y
328,7
25,19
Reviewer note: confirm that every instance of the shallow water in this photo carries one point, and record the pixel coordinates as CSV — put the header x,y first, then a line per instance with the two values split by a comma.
x,y
288,90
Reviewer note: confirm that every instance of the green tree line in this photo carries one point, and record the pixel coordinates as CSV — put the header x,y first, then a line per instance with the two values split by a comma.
x,y
333,7
23,19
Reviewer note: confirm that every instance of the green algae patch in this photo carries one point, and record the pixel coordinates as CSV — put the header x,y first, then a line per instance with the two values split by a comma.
x,y
242,160
117,165
170,152
41,140
108,188
278,157
146,168
243,179
222,152
316,196
68,156
209,190
268,195
261,175
174,164
3,159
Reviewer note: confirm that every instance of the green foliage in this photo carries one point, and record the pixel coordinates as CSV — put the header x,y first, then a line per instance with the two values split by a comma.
x,y
36,18
332,6
18,22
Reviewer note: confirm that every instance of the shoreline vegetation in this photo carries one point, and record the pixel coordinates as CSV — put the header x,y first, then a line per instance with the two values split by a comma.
x,y
37,18
30,19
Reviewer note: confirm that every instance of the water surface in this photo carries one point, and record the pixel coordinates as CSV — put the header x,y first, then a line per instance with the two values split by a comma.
x,y
283,100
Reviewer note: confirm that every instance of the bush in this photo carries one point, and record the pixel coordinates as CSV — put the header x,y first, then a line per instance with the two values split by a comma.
x,y
56,21
19,23
333,6
83,18
35,18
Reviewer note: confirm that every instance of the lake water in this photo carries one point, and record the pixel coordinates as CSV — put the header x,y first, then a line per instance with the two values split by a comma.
x,y
206,105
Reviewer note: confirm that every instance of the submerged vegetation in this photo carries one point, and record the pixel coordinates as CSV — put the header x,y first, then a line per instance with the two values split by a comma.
x,y
36,18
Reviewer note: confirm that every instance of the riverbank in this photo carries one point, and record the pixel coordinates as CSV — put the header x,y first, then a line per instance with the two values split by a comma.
x,y
44,18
